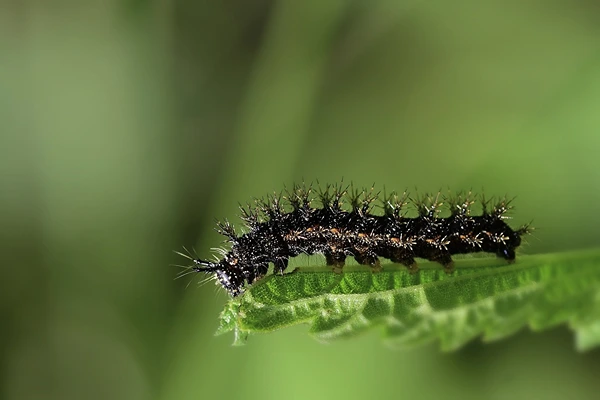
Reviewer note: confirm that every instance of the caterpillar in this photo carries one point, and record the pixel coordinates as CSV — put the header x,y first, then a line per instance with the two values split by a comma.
x,y
287,224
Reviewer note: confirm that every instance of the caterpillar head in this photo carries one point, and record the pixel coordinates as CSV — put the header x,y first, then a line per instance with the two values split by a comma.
x,y
230,278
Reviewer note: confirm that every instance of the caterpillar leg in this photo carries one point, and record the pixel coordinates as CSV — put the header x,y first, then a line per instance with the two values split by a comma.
x,y
370,259
336,260
406,260
252,275
280,265
446,260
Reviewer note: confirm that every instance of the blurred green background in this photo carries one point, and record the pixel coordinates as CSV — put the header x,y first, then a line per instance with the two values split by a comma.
x,y
128,126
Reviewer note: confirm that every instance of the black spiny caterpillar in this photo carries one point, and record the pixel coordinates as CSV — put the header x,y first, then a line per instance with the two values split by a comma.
x,y
286,225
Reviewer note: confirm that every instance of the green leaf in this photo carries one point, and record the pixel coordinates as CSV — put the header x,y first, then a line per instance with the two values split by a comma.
x,y
483,297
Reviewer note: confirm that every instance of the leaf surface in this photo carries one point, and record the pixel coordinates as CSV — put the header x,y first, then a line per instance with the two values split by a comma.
x,y
483,297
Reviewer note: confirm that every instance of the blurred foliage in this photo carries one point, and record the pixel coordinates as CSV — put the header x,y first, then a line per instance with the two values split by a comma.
x,y
128,126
